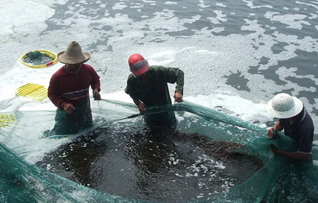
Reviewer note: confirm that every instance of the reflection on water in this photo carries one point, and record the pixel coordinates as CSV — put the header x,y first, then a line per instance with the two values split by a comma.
x,y
153,166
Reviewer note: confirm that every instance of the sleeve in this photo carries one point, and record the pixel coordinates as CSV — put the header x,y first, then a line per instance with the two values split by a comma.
x,y
131,89
95,78
175,75
305,141
54,94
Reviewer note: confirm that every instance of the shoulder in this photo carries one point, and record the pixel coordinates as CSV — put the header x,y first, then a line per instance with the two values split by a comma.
x,y
308,122
61,71
156,68
88,67
305,119
131,77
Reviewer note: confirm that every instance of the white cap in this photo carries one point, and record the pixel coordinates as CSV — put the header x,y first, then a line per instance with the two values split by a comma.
x,y
284,106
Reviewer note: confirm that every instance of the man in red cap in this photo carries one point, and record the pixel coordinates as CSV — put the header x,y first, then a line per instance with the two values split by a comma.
x,y
69,91
147,86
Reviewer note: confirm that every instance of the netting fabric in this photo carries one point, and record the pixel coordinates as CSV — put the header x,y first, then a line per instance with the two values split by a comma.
x,y
278,180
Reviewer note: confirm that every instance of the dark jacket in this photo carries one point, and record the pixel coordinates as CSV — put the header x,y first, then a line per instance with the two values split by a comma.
x,y
302,131
155,92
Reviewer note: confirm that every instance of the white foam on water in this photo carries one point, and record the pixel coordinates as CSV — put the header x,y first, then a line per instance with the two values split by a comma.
x,y
204,57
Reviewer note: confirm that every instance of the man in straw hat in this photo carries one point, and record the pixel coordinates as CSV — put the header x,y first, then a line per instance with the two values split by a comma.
x,y
147,86
69,90
296,123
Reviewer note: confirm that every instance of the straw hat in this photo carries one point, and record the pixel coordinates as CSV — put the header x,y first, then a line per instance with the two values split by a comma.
x,y
73,54
284,106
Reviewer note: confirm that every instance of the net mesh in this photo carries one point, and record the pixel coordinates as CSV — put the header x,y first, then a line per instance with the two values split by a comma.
x,y
35,56
39,58
279,180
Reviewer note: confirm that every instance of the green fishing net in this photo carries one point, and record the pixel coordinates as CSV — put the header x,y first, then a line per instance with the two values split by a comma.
x,y
34,56
278,180
64,122
37,58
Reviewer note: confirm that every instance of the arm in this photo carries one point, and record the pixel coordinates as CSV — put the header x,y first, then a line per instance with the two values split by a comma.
x,y
56,99
304,145
95,84
131,89
53,93
293,155
175,75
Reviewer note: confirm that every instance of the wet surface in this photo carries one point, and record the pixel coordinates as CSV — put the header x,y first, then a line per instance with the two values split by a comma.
x,y
151,165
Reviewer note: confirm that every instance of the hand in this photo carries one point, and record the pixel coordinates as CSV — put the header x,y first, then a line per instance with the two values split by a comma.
x,y
270,133
68,108
274,148
96,95
178,97
141,107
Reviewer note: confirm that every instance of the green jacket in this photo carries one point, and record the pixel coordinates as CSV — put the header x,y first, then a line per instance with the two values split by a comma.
x,y
155,91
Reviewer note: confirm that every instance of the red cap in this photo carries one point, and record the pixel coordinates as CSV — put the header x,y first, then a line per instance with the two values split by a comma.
x,y
134,59
138,65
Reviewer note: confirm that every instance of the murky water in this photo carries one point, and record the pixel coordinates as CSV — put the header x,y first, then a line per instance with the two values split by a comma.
x,y
151,165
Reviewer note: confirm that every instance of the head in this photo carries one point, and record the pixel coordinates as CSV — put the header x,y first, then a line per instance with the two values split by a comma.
x,y
138,65
73,55
284,106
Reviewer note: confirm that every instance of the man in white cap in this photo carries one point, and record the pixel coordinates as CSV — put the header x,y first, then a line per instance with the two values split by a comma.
x,y
147,86
69,90
296,123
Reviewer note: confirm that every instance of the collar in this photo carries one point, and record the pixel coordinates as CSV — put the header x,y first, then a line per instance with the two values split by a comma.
x,y
303,117
71,72
148,76
300,118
